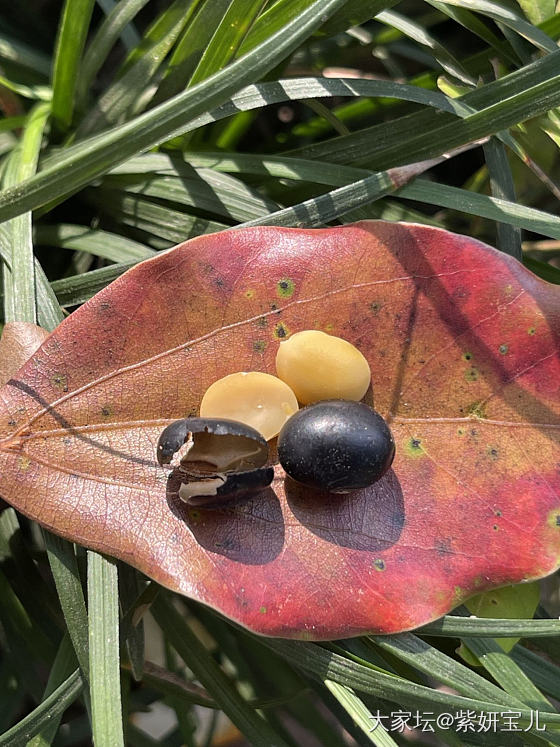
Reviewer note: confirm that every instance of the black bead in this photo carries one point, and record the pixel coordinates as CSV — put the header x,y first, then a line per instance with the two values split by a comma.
x,y
336,445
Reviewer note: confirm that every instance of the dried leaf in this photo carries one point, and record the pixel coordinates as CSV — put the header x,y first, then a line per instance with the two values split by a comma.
x,y
463,347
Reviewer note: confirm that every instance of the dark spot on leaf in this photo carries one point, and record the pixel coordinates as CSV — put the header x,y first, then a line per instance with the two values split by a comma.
x,y
379,563
259,346
262,321
493,601
558,520
477,409
414,447
375,307
471,374
531,331
262,610
285,288
503,349
497,512
492,452
106,411
60,382
11,422
281,331
495,527
467,356
443,546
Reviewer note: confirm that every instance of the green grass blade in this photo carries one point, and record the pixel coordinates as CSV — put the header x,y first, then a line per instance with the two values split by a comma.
x,y
354,13
254,727
124,95
105,685
105,38
380,146
328,665
419,34
77,289
159,220
132,630
493,208
286,167
23,55
505,15
473,23
430,660
64,567
12,123
459,627
186,56
507,673
19,280
543,673
16,619
227,38
537,11
278,13
76,168
41,93
205,190
72,34
49,313
63,667
320,210
104,244
129,35
361,715
49,710
508,237
27,581
544,270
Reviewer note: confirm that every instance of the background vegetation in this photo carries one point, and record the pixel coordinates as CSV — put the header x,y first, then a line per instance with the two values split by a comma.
x,y
152,121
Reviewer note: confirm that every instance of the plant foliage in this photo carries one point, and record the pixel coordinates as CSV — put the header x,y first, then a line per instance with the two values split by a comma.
x,y
131,126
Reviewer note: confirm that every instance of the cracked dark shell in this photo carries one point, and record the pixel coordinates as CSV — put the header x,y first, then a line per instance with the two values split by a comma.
x,y
220,460
336,445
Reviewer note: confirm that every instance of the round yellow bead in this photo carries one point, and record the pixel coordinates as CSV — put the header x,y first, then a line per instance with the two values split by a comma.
x,y
254,398
319,366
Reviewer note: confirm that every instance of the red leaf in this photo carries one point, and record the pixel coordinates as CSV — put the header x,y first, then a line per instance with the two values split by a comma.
x,y
18,343
463,347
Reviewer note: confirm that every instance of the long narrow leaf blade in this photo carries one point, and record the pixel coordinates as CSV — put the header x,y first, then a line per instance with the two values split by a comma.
x,y
104,668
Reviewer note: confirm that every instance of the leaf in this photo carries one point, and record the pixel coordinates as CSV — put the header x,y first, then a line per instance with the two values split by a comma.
x,y
464,359
537,11
18,343
72,33
517,601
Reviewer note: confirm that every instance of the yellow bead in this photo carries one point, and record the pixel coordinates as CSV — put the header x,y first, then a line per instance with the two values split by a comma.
x,y
318,366
256,399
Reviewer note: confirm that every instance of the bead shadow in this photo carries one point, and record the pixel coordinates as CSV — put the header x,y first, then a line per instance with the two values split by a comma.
x,y
251,532
371,519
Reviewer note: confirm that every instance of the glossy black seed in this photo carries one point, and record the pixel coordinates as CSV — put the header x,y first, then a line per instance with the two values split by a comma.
x,y
217,460
336,445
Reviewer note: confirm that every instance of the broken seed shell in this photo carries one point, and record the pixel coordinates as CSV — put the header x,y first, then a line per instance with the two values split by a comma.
x,y
218,460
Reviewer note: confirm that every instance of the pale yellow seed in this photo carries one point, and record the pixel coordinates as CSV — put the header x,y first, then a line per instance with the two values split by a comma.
x,y
318,366
254,398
